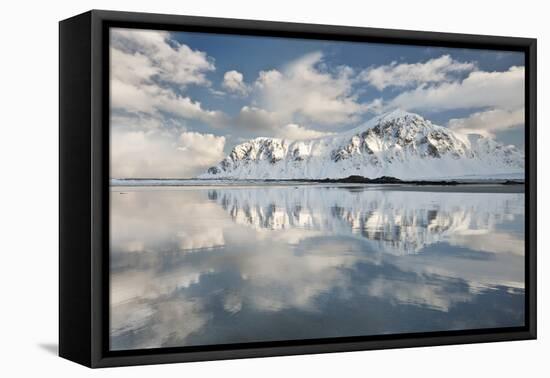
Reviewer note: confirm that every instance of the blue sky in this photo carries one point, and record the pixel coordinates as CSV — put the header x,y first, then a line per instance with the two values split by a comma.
x,y
176,94
250,55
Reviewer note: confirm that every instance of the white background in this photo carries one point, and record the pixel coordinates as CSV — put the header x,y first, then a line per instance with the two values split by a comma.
x,y
29,190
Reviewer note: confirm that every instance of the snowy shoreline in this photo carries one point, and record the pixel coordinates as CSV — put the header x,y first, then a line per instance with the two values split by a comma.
x,y
485,186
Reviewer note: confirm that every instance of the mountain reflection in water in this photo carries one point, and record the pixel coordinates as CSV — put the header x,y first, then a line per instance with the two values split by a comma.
x,y
223,265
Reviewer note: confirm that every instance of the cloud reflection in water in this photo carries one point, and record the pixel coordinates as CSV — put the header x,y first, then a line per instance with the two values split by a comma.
x,y
223,265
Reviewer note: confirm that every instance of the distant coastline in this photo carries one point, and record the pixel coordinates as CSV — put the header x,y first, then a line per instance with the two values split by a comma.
x,y
353,179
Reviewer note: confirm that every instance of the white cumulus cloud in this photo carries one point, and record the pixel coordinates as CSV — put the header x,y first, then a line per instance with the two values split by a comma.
x,y
408,74
143,61
157,154
496,98
497,89
233,81
304,92
259,122
172,61
488,122
152,99
296,132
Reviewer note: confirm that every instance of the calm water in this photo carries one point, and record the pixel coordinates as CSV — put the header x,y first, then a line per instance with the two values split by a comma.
x,y
215,265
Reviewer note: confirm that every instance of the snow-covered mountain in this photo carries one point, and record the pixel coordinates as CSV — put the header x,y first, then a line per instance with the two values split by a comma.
x,y
398,144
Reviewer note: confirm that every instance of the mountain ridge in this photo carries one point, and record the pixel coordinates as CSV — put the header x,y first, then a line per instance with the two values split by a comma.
x,y
397,144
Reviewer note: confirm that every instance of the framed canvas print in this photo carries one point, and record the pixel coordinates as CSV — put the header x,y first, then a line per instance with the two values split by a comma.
x,y
233,188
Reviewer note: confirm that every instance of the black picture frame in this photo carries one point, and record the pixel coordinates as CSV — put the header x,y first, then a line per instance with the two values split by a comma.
x,y
84,187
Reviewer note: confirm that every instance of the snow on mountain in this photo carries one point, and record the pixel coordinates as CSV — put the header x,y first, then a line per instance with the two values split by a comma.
x,y
398,144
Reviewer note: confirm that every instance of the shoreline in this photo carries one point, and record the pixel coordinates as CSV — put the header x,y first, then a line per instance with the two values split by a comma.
x,y
485,186
384,180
